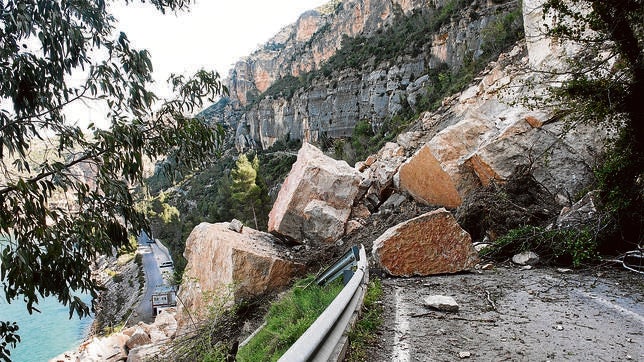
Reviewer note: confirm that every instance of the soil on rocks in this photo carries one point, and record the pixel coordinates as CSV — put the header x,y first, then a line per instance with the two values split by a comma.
x,y
495,209
320,256
510,314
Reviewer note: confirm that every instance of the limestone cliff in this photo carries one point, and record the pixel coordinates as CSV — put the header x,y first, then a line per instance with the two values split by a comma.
x,y
292,87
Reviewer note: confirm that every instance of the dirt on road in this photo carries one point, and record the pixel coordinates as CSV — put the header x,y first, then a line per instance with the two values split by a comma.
x,y
509,314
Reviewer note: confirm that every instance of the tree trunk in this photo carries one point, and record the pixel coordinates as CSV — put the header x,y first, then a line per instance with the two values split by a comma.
x,y
254,216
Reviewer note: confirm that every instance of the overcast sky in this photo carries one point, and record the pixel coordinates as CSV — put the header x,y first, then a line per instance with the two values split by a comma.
x,y
212,35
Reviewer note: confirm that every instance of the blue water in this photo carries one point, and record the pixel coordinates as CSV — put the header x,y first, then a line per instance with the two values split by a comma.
x,y
44,335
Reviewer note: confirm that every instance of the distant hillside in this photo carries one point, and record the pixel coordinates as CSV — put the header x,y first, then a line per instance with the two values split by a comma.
x,y
360,60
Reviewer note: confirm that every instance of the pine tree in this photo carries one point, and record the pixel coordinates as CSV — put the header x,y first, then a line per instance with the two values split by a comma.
x,y
246,186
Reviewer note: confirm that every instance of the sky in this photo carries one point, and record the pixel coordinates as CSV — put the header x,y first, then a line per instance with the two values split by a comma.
x,y
212,35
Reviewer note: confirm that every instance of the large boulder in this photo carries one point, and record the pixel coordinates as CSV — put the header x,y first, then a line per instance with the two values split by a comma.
x,y
225,266
315,200
484,135
432,243
166,323
424,178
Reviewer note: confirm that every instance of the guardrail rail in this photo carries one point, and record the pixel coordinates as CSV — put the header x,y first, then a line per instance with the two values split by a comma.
x,y
326,340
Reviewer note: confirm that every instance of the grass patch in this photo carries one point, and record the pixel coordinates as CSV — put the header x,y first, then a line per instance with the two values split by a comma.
x,y
288,319
363,334
109,330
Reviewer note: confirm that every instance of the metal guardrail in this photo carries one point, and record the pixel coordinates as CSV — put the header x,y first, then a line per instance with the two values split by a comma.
x,y
348,260
325,340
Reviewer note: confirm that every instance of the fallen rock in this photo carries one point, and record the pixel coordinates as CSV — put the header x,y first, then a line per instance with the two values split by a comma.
x,y
144,353
481,246
432,243
464,354
323,222
352,225
580,212
130,331
315,200
423,177
360,212
138,338
225,266
393,202
111,348
378,177
382,171
166,323
157,335
526,258
236,226
487,266
442,303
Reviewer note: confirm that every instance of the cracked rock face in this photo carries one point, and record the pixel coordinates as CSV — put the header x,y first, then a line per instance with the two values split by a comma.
x,y
375,92
432,243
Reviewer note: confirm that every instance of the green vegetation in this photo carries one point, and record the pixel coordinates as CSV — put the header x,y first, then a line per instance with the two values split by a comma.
x,y
247,188
54,245
225,190
605,88
363,333
502,33
567,246
284,87
276,162
288,319
109,330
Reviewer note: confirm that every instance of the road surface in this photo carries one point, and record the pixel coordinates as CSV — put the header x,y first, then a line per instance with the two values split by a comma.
x,y
153,256
508,314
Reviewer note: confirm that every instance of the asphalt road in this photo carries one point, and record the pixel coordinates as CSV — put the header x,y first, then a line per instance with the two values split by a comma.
x,y
508,314
153,256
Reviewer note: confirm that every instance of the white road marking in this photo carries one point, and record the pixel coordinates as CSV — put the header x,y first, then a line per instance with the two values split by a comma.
x,y
401,351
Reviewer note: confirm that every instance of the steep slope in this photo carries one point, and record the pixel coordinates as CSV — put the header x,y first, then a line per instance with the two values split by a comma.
x,y
354,60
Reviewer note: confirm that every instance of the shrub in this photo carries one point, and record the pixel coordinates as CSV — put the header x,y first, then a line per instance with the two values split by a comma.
x,y
567,246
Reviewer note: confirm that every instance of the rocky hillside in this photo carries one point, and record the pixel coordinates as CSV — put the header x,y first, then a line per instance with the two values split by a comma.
x,y
355,60
486,161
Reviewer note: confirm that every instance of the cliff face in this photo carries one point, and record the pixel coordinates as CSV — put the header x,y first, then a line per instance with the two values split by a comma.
x,y
328,101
